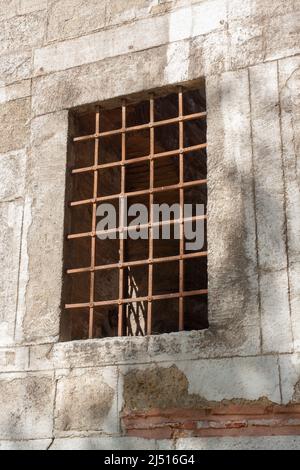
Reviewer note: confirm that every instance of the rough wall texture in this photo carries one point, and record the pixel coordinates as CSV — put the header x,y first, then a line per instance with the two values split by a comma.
x,y
57,54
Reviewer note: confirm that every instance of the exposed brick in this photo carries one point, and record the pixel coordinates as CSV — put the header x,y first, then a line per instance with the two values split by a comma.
x,y
230,420
159,433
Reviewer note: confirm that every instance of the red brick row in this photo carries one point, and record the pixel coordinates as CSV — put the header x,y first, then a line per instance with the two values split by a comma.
x,y
223,420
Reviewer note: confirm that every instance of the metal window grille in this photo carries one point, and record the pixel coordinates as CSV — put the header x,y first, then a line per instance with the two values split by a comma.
x,y
124,299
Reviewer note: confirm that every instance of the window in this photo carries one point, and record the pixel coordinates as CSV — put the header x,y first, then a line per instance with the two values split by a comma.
x,y
136,245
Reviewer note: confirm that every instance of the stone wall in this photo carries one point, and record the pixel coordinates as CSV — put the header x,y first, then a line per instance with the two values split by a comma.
x,y
56,55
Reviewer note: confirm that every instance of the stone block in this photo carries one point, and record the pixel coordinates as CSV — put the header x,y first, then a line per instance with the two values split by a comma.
x,y
27,406
103,443
10,242
239,443
36,444
71,18
86,401
282,36
290,378
21,32
178,25
260,9
44,229
41,357
14,359
15,115
95,353
15,66
246,45
270,208
88,84
12,170
118,12
198,384
8,9
30,6
202,56
294,276
289,75
233,282
15,91
275,312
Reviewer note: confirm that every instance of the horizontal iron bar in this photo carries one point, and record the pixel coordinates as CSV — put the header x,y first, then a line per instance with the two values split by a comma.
x,y
137,299
136,227
150,125
146,158
162,189
128,264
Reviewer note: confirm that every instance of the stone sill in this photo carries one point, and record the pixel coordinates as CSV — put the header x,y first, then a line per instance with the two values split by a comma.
x,y
124,350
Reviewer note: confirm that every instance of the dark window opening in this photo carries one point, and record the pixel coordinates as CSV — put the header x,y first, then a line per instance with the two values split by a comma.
x,y
151,152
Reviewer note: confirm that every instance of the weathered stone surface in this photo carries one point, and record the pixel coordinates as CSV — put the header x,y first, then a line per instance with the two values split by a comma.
x,y
290,378
199,383
119,351
10,241
240,443
231,226
86,401
294,275
184,40
37,444
15,66
15,91
12,171
29,6
252,38
289,76
88,84
270,209
69,18
260,9
282,36
257,34
14,359
8,9
246,42
276,325
103,443
22,32
41,357
119,12
27,406
99,352
249,378
14,134
202,19
43,229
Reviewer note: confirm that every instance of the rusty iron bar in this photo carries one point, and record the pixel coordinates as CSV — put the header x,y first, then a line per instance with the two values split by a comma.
x,y
144,192
151,219
97,135
169,153
104,303
94,222
127,264
181,196
122,241
130,228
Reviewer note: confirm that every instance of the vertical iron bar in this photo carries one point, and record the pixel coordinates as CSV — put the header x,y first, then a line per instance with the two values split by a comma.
x,y
181,181
94,222
122,241
151,201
